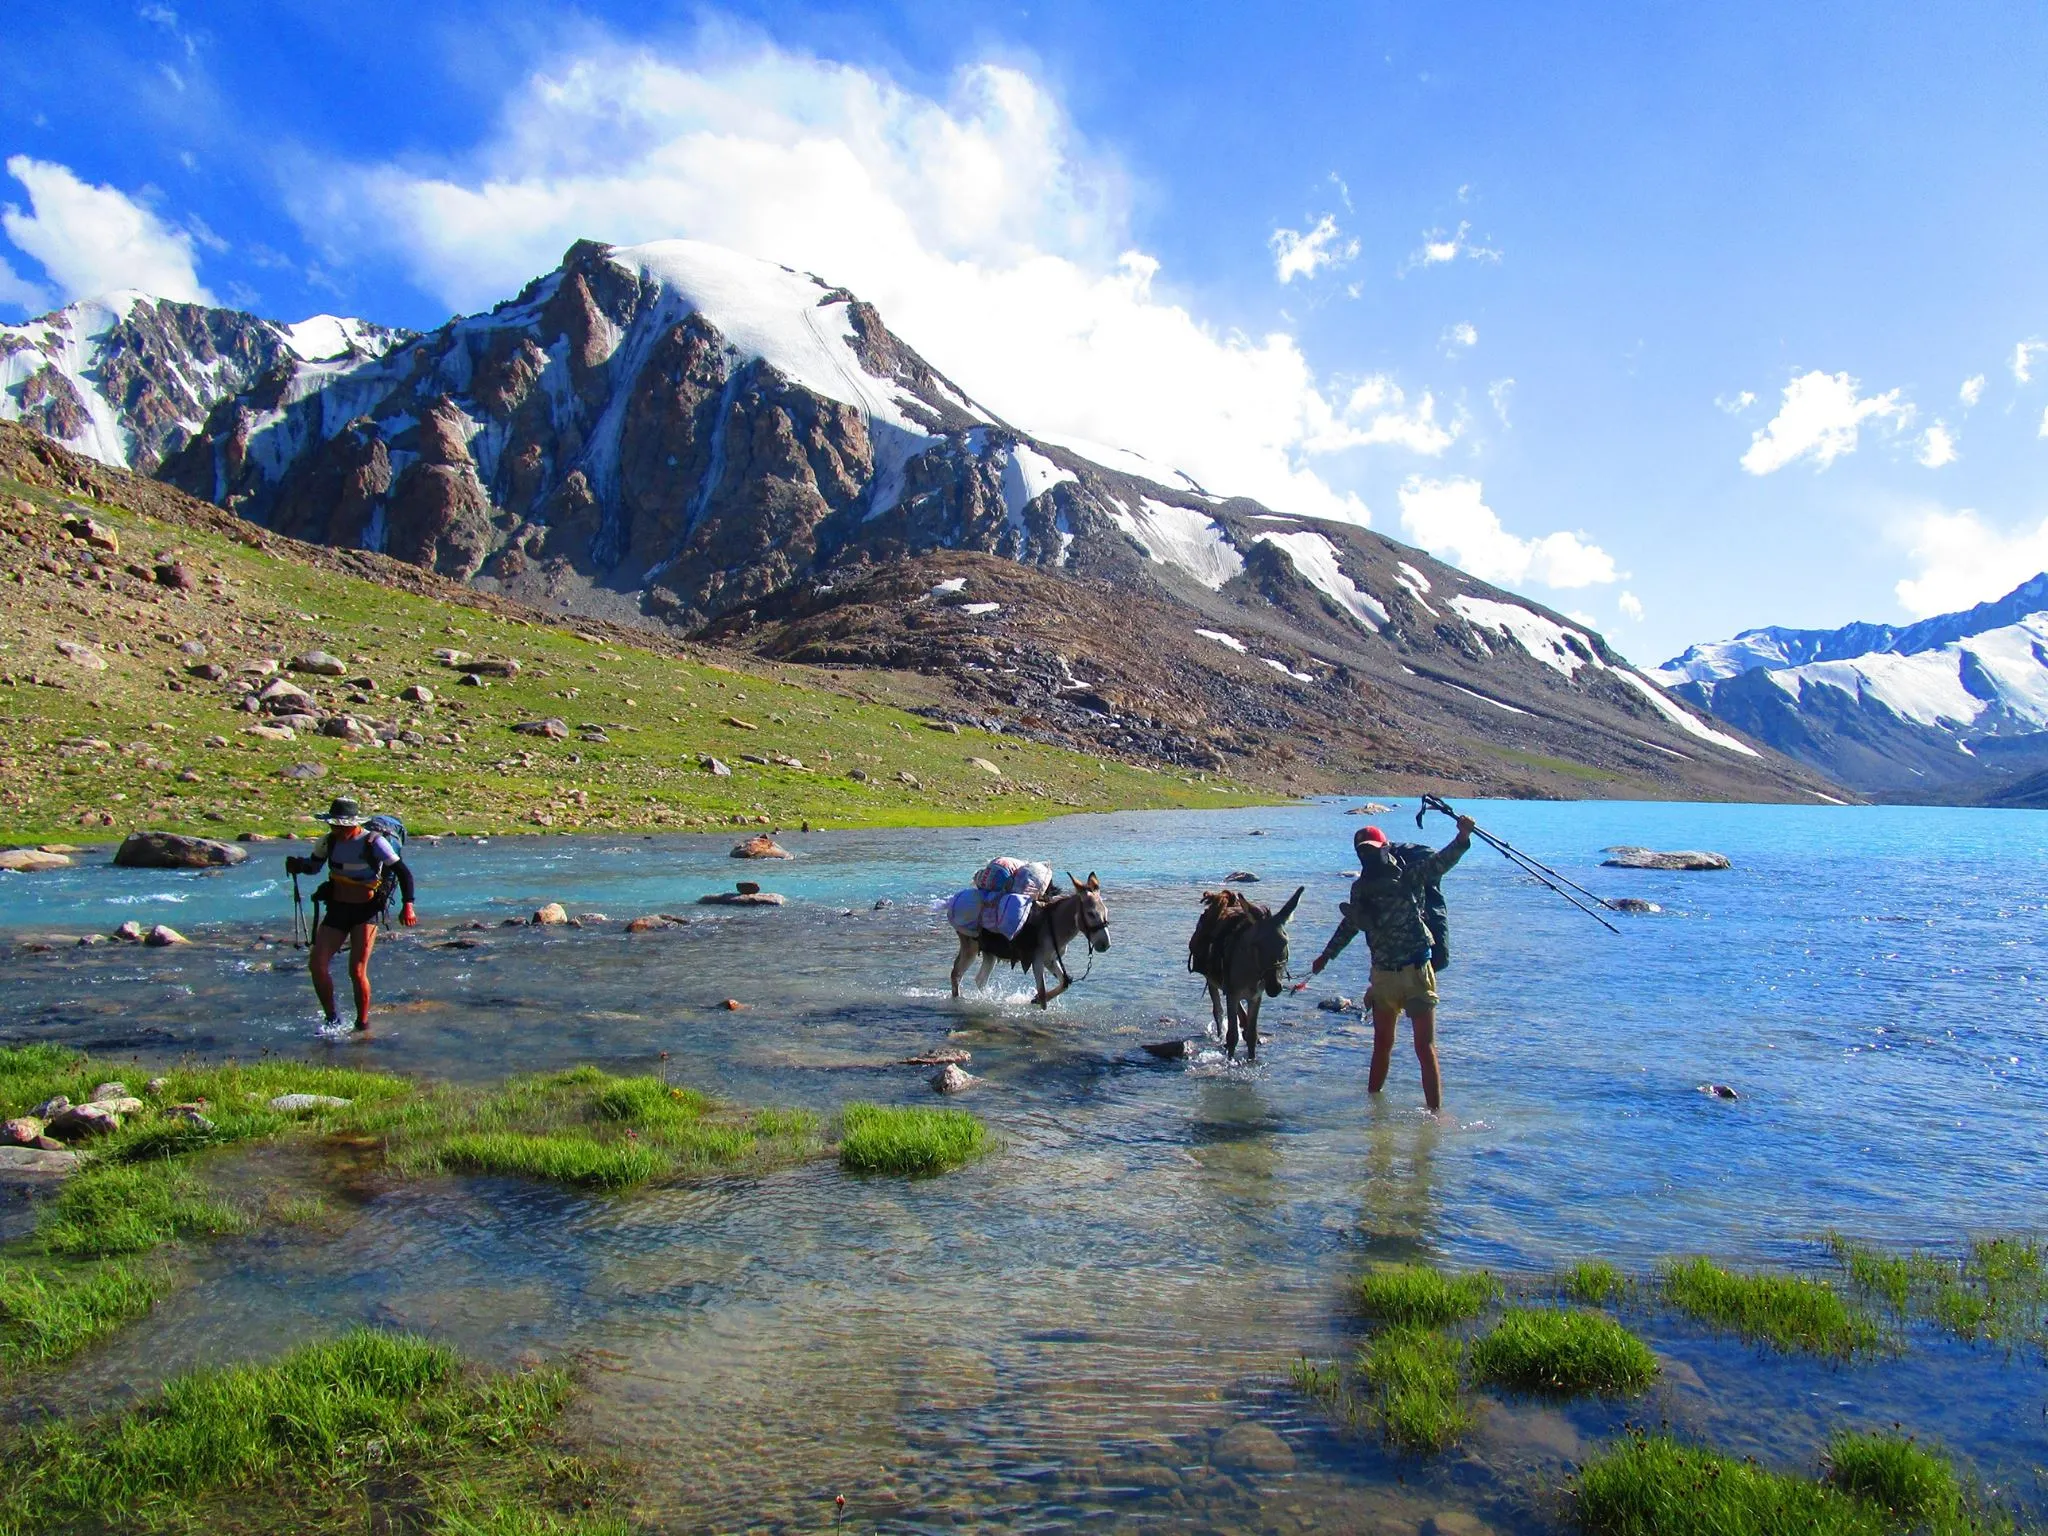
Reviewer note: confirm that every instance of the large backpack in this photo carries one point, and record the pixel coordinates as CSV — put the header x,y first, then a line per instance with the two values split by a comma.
x,y
1436,916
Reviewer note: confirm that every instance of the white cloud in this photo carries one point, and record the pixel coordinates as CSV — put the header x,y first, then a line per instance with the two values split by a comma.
x,y
2044,423
1736,404
989,235
1631,607
1964,561
1937,447
1498,393
1451,520
16,289
1298,255
1438,248
2023,355
1377,412
1972,390
93,240
1463,334
1820,419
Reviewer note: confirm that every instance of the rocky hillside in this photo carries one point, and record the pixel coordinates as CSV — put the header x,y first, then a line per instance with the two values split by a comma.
x,y
129,379
1952,709
165,664
677,436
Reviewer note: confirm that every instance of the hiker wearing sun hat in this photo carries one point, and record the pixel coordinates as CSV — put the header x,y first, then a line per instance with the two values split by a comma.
x,y
1395,903
364,862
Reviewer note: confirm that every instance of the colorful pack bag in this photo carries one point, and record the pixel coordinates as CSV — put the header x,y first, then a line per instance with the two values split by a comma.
x,y
964,912
1031,881
994,878
1007,914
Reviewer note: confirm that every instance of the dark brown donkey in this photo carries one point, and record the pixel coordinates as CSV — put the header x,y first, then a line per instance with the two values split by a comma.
x,y
1240,949
1042,941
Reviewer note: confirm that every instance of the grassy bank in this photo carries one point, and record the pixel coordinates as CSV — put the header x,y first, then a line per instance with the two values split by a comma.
x,y
143,741
367,1432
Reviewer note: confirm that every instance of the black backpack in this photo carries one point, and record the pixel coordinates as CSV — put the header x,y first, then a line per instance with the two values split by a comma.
x,y
1436,917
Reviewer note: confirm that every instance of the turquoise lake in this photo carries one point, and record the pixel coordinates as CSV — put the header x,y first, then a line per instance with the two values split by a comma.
x,y
1058,1334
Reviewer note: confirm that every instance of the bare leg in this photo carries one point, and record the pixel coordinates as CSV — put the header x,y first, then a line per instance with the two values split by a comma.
x,y
1423,1021
327,943
1383,1021
360,942
961,961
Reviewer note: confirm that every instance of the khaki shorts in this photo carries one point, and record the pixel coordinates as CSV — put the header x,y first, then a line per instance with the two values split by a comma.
x,y
1410,987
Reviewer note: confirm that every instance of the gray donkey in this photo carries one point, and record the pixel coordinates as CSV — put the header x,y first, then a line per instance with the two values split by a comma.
x,y
1240,949
1042,941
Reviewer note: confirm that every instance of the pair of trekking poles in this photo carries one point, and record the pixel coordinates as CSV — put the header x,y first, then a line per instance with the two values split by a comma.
x,y
1569,889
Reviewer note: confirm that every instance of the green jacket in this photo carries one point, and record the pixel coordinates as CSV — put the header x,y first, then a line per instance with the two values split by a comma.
x,y
1388,911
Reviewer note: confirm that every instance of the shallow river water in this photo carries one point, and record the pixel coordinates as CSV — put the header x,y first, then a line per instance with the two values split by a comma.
x,y
1067,1332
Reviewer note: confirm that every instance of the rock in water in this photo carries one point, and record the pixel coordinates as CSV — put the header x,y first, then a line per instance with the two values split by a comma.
x,y
761,846
1633,904
174,850
950,1079
1251,1448
753,898
944,1056
1168,1050
1650,858
550,915
299,1103
30,861
1240,877
1338,1004
1719,1091
163,936
130,931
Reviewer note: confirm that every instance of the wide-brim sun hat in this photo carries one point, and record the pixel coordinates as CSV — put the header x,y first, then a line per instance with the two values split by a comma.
x,y
344,812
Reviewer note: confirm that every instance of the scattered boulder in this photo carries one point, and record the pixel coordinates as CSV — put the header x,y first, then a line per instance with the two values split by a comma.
x,y
943,1056
22,1131
858,775
761,846
492,666
714,767
903,776
418,693
50,1108
754,898
192,648
733,1005
30,861
550,916
470,680
175,850
648,924
174,574
130,932
985,766
82,655
189,1115
450,658
1168,1050
271,732
107,1091
38,1166
950,1079
741,725
1251,1448
942,725
82,1122
1338,1004
163,936
346,728
748,887
551,728
155,1087
1626,857
298,1103
208,672
96,534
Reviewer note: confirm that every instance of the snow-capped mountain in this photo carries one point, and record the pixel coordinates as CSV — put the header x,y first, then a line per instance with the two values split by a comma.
x,y
1953,707
128,379
677,434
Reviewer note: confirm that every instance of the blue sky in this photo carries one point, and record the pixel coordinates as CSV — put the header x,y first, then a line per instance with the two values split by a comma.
x,y
1680,318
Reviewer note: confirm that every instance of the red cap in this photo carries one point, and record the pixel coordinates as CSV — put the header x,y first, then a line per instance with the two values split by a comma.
x,y
1370,835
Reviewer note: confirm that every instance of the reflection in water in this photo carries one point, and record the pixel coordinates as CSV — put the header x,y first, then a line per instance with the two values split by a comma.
x,y
1095,1324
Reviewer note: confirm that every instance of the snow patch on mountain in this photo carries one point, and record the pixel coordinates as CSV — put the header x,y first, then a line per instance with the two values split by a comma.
x,y
1182,537
1222,639
1683,719
1028,475
1315,557
328,338
1990,684
1416,584
1562,650
1123,462
1280,666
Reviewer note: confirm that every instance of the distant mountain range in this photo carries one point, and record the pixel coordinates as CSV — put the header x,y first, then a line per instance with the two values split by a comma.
x,y
1952,709
681,436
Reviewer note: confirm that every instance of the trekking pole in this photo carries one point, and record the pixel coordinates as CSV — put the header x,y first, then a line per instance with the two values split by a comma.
x,y
298,914
1542,873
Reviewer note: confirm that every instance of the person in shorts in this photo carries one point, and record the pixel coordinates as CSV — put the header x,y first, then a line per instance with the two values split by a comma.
x,y
363,869
1386,905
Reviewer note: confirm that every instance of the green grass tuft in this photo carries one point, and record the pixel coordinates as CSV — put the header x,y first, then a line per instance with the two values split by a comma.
x,y
1787,1311
556,1158
1913,1485
1413,1374
1593,1281
119,1208
1653,1486
48,1313
881,1138
647,1102
1565,1353
301,1440
1396,1294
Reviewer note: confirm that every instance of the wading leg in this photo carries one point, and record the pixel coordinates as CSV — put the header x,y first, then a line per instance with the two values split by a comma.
x,y
326,942
1423,1022
1216,1011
1235,1009
961,961
361,941
988,966
1251,1028
1383,1022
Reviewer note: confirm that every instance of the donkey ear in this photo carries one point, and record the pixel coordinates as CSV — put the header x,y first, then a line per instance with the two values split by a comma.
x,y
1280,917
1093,883
1077,884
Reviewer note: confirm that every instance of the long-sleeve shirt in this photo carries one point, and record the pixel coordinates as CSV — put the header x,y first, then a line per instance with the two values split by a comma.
x,y
1388,910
